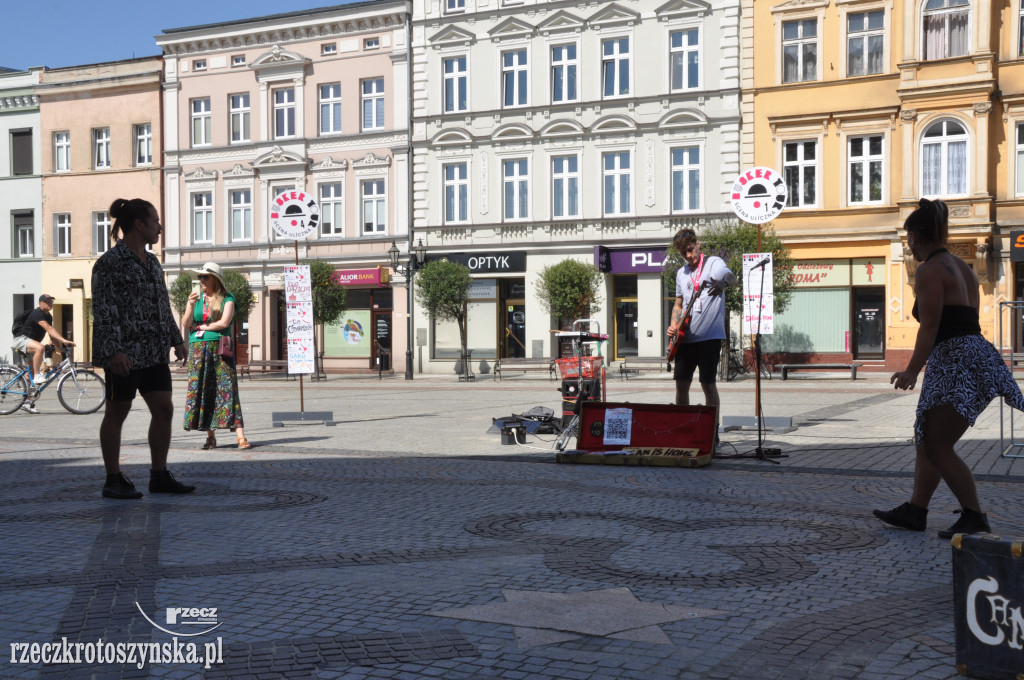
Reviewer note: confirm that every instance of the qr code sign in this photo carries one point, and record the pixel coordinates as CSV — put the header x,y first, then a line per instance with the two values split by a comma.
x,y
618,425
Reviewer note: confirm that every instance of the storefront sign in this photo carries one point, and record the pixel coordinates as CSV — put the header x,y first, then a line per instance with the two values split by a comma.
x,y
483,289
487,263
633,261
299,318
869,271
820,273
1017,245
357,277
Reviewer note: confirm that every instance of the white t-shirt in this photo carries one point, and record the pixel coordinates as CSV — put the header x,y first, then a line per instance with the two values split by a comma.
x,y
707,320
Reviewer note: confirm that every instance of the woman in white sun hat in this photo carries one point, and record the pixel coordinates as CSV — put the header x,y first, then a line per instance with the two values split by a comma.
x,y
212,402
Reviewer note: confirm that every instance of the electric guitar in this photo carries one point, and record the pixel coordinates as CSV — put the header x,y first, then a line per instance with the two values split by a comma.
x,y
684,324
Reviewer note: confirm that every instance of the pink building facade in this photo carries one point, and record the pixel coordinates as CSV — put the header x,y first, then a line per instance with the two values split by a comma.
x,y
314,102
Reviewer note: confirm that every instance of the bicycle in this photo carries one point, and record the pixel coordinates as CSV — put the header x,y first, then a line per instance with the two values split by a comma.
x,y
80,390
737,364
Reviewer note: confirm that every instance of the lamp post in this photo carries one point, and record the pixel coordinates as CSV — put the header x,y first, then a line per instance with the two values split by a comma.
x,y
407,270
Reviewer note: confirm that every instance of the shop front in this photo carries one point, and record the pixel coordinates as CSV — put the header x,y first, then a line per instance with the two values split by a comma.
x,y
640,302
361,338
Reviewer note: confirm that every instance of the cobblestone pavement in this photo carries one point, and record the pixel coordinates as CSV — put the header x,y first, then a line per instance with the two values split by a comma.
x,y
407,542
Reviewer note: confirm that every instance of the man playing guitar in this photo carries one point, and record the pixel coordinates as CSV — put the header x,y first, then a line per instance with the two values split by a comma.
x,y
701,346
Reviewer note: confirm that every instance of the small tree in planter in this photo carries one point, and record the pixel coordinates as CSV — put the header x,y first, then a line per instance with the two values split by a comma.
x,y
329,299
569,290
442,288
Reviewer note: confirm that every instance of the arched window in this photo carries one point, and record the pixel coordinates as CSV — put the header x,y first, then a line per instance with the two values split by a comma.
x,y
945,28
944,159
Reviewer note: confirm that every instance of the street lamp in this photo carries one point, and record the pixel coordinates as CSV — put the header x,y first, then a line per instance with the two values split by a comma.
x,y
407,270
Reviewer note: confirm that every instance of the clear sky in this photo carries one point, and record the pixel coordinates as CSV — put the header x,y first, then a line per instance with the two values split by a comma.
x,y
59,33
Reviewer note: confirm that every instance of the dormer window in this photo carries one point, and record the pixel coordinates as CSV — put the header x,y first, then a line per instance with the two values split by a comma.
x,y
198,64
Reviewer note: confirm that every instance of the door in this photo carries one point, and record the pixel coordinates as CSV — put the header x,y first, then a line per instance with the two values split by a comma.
x,y
381,341
868,323
515,329
626,343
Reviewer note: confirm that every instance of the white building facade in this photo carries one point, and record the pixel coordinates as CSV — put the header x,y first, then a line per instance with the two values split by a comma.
x,y
551,130
21,204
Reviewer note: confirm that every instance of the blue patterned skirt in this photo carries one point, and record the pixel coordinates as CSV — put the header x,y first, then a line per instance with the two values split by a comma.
x,y
212,398
966,373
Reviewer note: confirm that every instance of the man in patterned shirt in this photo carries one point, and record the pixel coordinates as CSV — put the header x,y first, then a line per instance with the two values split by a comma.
x,y
133,329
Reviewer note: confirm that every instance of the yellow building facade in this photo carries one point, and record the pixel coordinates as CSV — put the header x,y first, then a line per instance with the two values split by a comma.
x,y
865,106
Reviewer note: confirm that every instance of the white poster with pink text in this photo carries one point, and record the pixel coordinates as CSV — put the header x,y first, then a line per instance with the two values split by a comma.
x,y
298,291
758,294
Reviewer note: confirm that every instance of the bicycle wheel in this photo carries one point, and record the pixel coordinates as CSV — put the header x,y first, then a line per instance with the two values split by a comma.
x,y
81,391
13,389
567,433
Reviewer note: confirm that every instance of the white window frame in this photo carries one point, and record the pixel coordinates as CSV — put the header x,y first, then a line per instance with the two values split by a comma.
x,y
518,181
371,44
198,64
683,171
379,202
143,144
866,34
100,232
685,50
239,118
614,62
1018,179
794,199
371,93
328,49
456,82
454,6
240,211
946,13
330,108
570,69
237,60
517,75
622,179
1020,29
206,212
62,234
456,192
800,41
283,103
101,148
25,240
865,160
62,151
944,142
570,182
202,125
332,205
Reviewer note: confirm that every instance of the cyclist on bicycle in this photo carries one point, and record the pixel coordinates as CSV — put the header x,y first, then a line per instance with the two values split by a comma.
x,y
38,325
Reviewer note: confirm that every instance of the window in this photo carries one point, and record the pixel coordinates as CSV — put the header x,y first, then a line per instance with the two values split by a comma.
x,y
799,50
455,5
685,179
865,43
62,234
237,60
799,167
516,185
455,83
100,232
945,28
373,103
1020,159
198,64
239,117
514,78
684,48
61,151
21,152
330,108
865,169
371,44
241,214
329,48
944,159
565,186
284,113
617,174
24,234
563,73
101,148
1020,30
331,210
201,121
202,217
615,67
374,206
144,144
456,192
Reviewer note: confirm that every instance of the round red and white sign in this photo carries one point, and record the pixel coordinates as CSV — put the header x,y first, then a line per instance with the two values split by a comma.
x,y
294,214
758,195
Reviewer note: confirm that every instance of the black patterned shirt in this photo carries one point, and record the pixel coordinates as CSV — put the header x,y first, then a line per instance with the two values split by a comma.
x,y
131,310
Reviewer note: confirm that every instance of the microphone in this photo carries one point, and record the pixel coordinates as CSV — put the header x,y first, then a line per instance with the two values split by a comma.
x,y
762,263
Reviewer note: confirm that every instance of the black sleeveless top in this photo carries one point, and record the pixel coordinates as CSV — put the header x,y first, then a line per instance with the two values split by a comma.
x,y
956,321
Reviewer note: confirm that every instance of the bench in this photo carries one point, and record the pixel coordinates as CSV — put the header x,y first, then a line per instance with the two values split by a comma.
x,y
525,364
265,366
786,368
637,364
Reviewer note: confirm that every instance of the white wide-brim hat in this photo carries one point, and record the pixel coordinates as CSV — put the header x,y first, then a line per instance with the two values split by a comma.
x,y
213,269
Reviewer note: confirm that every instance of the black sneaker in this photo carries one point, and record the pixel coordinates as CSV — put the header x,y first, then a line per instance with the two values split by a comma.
x,y
906,516
119,486
162,481
970,522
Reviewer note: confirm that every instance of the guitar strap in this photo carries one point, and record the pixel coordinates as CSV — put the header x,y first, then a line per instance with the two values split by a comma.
x,y
695,280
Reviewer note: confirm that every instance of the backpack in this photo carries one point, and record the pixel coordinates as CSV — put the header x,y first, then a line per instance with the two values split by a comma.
x,y
19,322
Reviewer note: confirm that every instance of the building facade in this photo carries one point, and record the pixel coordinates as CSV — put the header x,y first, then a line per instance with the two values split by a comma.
x,y
20,198
544,130
100,140
313,103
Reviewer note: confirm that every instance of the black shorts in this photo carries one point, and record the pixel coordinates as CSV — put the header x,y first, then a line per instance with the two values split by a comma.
x,y
703,354
152,379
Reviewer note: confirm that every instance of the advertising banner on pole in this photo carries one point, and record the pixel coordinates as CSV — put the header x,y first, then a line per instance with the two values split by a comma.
x,y
299,319
758,294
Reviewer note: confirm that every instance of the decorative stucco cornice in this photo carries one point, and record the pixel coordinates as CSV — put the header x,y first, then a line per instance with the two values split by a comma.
x,y
278,156
18,101
200,174
371,160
